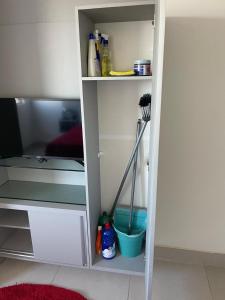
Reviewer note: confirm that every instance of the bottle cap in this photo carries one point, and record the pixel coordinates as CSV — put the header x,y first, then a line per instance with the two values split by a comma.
x,y
99,228
142,62
91,36
102,40
107,226
105,36
97,34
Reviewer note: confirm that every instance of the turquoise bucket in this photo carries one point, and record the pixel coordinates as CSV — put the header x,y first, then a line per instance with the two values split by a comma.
x,y
130,245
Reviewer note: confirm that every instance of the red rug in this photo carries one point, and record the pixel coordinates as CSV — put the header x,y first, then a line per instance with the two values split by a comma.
x,y
38,292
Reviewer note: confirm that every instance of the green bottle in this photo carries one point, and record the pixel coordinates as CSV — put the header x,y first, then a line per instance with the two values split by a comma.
x,y
104,219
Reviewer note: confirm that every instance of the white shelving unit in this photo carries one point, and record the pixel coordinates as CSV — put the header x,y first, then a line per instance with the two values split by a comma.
x,y
110,111
49,218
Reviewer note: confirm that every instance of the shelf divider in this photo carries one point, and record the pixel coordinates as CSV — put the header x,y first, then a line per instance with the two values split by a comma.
x,y
10,218
117,78
18,242
121,264
47,192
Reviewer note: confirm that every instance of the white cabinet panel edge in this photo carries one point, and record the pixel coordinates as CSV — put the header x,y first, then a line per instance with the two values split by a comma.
x,y
90,226
118,4
41,206
46,176
154,138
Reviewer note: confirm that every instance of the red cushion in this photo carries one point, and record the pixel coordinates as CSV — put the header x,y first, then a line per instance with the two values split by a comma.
x,y
69,144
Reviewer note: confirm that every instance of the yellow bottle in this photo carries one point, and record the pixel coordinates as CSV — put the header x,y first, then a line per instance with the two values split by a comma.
x,y
106,61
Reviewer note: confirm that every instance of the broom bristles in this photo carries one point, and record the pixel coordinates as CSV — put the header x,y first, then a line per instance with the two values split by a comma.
x,y
145,104
145,100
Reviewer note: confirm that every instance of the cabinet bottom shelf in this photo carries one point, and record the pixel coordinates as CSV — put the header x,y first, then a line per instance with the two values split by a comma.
x,y
17,243
121,264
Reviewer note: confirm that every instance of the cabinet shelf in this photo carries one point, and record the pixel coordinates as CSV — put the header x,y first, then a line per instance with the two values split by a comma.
x,y
121,264
117,78
141,11
18,242
10,218
47,192
50,164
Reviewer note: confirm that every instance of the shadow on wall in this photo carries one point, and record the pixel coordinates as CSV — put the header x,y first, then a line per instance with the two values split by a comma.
x,y
38,59
38,55
191,186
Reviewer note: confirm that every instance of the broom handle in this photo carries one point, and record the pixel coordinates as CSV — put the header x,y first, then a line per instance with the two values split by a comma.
x,y
127,169
134,179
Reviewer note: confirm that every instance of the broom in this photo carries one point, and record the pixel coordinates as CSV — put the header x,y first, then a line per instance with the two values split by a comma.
x,y
145,105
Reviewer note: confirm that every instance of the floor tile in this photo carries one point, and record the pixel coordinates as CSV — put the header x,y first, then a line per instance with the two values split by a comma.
x,y
216,277
179,281
95,285
18,271
137,288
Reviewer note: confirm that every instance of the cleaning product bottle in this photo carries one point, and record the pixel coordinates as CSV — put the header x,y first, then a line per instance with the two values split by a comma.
x,y
108,242
93,59
98,244
98,51
98,39
92,56
106,61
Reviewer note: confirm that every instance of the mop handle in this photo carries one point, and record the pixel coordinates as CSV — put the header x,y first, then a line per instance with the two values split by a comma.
x,y
134,179
128,168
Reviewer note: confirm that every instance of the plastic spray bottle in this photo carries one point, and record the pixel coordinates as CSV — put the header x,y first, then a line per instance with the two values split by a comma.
x,y
106,60
93,61
98,48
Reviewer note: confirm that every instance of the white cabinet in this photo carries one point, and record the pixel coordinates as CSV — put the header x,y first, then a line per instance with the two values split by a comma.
x,y
58,236
43,232
43,212
110,112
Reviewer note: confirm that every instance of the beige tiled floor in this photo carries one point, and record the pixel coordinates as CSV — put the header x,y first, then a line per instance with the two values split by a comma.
x,y
171,281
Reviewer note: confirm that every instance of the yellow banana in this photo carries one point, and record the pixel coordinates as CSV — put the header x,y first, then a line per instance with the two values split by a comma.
x,y
122,73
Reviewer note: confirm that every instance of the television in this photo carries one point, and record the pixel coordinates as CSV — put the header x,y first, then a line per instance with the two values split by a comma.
x,y
41,128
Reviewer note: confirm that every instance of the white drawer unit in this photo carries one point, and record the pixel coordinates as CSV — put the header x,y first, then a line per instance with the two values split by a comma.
x,y
43,232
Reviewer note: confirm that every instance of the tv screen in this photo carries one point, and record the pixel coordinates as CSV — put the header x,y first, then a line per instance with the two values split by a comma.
x,y
40,128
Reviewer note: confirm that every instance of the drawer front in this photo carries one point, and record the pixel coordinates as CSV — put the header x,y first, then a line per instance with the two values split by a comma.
x,y
58,237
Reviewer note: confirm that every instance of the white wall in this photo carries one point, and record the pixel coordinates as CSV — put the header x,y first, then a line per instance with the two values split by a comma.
x,y
191,192
38,58
38,54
